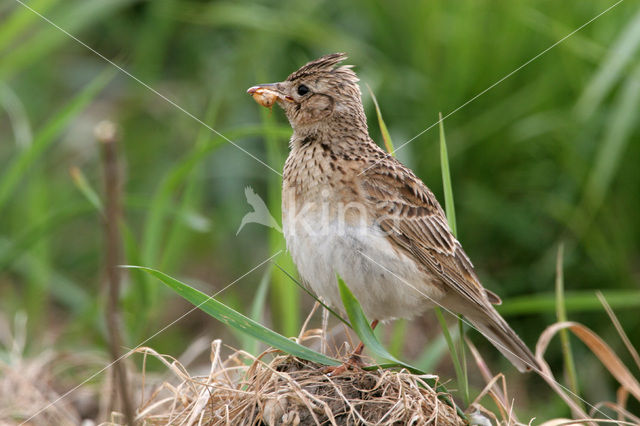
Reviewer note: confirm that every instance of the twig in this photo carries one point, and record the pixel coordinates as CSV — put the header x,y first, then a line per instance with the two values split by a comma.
x,y
106,134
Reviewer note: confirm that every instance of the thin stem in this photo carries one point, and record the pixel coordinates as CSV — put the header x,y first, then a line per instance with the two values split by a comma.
x,y
106,134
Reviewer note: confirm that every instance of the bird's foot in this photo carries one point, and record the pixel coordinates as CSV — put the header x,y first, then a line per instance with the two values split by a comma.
x,y
333,370
354,361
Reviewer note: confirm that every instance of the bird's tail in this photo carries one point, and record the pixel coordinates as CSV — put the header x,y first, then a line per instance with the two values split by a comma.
x,y
489,322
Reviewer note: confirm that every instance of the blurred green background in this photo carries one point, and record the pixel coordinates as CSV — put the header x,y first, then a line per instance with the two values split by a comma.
x,y
548,155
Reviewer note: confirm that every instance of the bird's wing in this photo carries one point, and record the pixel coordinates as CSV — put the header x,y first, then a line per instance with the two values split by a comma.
x,y
408,212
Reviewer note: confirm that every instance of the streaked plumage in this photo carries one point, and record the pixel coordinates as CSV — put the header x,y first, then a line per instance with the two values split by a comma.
x,y
352,209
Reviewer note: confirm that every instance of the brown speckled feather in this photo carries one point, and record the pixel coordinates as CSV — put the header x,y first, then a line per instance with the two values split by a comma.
x,y
412,218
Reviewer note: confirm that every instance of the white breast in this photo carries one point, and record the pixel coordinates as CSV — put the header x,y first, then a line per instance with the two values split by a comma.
x,y
380,277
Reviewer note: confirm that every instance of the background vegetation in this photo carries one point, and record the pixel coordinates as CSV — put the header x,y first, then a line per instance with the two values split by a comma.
x,y
548,155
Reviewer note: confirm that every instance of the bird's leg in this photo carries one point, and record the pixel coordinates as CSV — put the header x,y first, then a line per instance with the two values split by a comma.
x,y
356,354
353,360
325,327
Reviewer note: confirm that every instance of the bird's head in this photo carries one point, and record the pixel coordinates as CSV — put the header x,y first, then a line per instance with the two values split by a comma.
x,y
319,95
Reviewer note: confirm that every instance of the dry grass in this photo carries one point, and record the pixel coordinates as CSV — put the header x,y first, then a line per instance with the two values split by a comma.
x,y
287,390
271,389
33,388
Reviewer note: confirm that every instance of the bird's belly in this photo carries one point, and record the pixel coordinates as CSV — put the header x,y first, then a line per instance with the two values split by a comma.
x,y
387,283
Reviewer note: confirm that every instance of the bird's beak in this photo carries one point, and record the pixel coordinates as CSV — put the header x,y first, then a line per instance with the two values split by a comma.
x,y
267,94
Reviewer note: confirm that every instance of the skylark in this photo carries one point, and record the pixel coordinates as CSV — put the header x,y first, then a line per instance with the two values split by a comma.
x,y
349,208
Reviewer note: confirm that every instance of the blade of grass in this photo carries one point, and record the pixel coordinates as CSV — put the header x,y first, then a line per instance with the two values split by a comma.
x,y
17,114
81,182
54,221
386,137
454,354
398,337
461,372
434,351
561,314
72,17
38,279
48,134
285,298
193,191
34,232
446,181
162,198
136,293
612,68
69,294
463,356
153,249
619,329
618,134
267,21
160,205
577,301
600,348
21,19
153,33
234,319
257,307
257,310
361,326
460,363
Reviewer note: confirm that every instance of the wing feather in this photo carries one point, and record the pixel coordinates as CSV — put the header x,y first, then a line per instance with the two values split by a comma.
x,y
410,215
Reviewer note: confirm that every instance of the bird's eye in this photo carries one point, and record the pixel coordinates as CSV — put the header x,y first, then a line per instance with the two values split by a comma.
x,y
303,90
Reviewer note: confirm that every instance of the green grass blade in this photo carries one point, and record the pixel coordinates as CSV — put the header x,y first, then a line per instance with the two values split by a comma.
x,y
462,383
386,137
285,298
398,337
257,310
46,225
135,297
162,199
192,194
45,137
561,314
459,362
612,68
236,320
72,17
66,292
367,336
21,19
618,134
155,228
38,278
17,115
463,358
446,182
153,33
81,182
434,351
575,301
361,326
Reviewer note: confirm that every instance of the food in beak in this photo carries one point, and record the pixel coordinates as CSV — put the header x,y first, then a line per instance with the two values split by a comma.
x,y
263,96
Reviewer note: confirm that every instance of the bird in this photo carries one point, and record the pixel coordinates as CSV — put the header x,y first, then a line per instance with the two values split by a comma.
x,y
351,209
